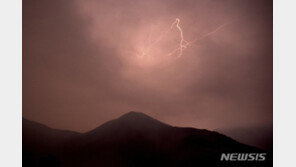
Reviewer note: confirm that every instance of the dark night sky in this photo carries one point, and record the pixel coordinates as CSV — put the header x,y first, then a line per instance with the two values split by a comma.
x,y
81,63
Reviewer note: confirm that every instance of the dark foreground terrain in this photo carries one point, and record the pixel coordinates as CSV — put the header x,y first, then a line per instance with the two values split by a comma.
x,y
133,140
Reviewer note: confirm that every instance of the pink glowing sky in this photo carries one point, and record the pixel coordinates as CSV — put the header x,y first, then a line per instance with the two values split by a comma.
x,y
86,62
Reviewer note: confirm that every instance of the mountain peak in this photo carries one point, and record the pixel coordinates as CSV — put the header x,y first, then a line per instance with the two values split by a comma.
x,y
138,118
135,114
132,121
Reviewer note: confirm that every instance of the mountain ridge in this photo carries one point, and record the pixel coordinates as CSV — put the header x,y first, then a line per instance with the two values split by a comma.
x,y
133,139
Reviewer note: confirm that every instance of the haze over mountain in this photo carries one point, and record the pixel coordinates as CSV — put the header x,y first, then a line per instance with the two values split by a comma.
x,y
133,139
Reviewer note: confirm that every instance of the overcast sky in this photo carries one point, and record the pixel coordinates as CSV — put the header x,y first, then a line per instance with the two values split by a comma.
x,y
86,62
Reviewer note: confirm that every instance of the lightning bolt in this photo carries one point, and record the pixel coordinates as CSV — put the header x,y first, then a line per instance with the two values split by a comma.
x,y
183,44
210,33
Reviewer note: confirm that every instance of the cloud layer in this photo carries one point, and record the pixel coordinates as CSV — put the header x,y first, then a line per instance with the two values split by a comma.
x,y
82,62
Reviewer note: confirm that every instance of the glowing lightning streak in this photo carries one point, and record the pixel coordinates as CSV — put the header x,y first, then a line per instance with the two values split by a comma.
x,y
151,43
183,43
210,33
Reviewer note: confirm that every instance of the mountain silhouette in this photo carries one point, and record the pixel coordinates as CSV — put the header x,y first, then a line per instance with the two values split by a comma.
x,y
132,140
258,136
